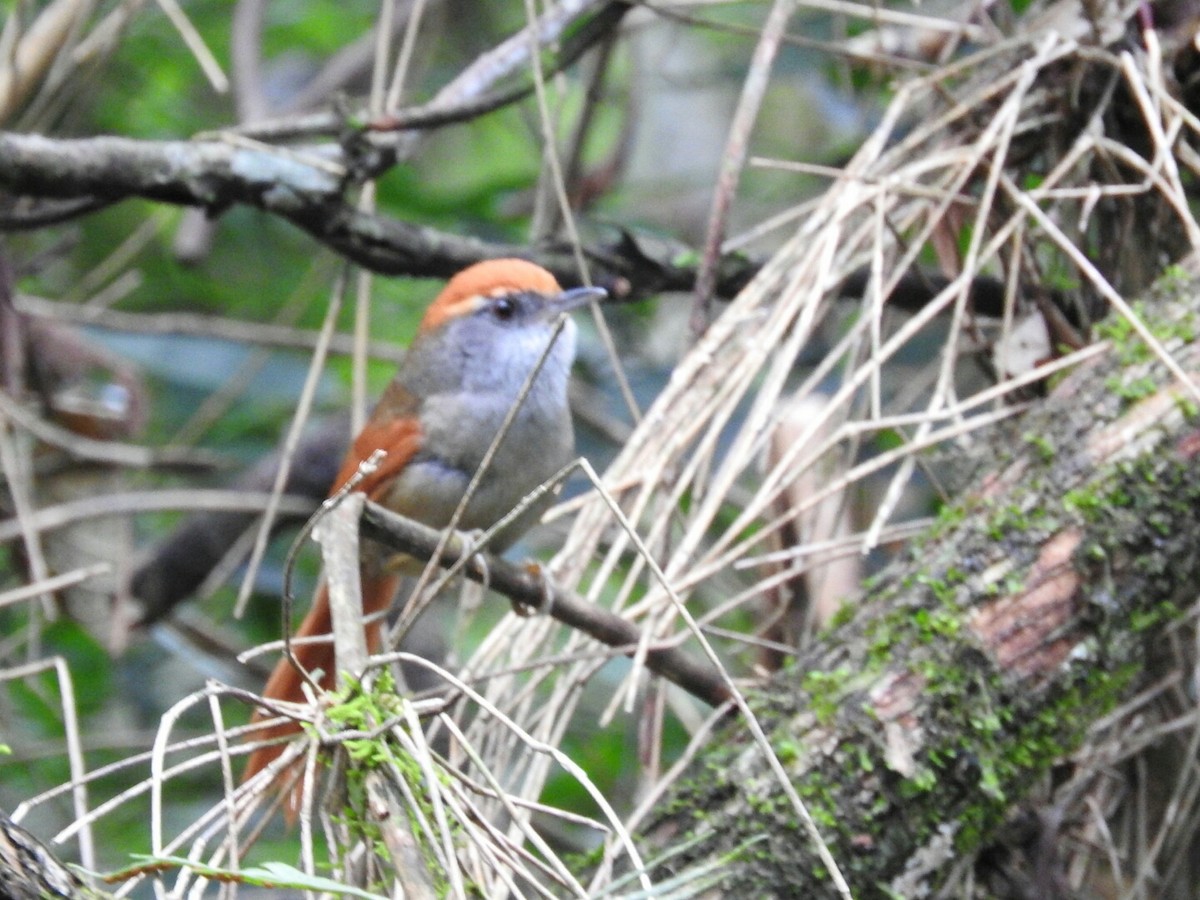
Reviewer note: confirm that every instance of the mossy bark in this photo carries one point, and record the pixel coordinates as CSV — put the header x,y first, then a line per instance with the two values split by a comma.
x,y
982,658
30,871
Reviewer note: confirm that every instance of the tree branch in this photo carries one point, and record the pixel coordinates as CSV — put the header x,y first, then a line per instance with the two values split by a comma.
x,y
473,92
305,187
529,589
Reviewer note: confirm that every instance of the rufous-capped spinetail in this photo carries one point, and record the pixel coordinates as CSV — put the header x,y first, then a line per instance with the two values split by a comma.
x,y
475,348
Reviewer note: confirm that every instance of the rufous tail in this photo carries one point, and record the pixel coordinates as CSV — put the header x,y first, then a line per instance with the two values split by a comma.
x,y
285,681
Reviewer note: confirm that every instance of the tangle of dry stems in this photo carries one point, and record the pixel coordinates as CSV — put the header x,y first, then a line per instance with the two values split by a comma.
x,y
1048,189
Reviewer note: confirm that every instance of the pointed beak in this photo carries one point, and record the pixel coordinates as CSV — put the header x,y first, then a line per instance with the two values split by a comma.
x,y
573,299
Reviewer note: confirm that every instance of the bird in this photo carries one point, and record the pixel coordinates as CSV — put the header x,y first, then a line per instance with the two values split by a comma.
x,y
474,350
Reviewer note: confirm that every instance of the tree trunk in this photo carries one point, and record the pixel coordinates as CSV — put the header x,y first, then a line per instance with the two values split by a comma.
x,y
979,661
29,871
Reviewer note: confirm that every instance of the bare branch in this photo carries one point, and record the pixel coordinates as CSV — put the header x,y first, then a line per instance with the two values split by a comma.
x,y
305,188
529,590
471,94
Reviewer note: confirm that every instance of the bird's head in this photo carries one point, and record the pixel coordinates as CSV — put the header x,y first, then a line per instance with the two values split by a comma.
x,y
494,320
514,292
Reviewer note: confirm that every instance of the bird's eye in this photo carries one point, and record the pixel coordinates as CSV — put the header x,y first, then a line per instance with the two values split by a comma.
x,y
504,308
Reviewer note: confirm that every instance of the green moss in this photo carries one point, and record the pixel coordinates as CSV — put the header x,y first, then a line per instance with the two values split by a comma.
x,y
1003,745
845,612
360,706
951,515
884,634
787,750
819,796
826,691
1187,406
1000,745
940,587
1011,519
1134,381
922,781
1143,620
1127,344
1131,388
938,623
1085,501
1174,276
1042,445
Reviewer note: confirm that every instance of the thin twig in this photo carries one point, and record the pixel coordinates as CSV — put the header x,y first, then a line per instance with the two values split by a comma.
x,y
733,159
292,440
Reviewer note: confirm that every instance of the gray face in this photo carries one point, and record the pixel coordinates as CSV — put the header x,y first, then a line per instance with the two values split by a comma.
x,y
466,376
493,350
